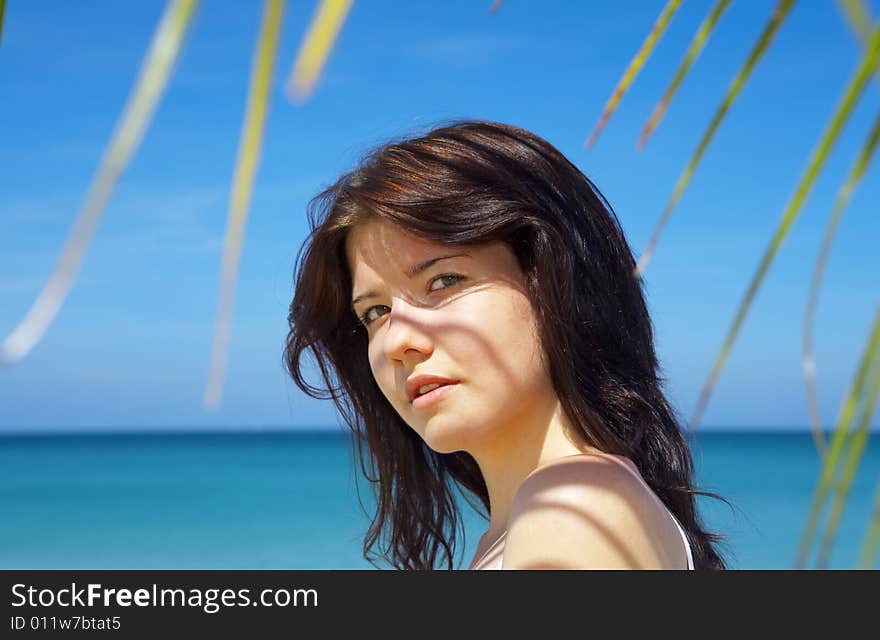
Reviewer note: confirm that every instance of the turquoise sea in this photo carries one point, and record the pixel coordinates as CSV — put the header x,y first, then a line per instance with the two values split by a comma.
x,y
264,500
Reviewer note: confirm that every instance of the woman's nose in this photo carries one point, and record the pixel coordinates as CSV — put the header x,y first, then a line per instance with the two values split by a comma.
x,y
408,334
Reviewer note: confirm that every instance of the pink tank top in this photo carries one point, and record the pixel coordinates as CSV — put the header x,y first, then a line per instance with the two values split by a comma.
x,y
687,546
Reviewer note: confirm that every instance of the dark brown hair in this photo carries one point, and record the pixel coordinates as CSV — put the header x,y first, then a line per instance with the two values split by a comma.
x,y
469,183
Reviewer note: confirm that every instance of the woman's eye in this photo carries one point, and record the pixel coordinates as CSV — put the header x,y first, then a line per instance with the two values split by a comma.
x,y
367,316
448,278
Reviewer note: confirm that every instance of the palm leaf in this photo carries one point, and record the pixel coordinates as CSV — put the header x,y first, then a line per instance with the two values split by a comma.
x,y
856,444
845,418
242,188
761,46
816,162
858,16
868,556
696,47
843,198
149,88
316,47
634,67
2,11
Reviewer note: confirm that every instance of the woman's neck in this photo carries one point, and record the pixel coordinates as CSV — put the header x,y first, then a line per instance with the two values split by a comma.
x,y
516,451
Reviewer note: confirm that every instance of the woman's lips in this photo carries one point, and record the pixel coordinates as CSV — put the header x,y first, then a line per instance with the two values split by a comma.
x,y
434,396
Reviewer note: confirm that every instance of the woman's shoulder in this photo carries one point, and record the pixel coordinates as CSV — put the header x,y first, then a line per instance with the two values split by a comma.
x,y
589,511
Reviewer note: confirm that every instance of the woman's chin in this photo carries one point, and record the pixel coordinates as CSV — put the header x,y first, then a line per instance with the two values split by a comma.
x,y
448,438
443,442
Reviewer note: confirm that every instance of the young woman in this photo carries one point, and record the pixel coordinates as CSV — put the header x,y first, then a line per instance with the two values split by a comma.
x,y
468,297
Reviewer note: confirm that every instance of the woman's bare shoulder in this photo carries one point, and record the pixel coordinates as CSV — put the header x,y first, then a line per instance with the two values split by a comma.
x,y
587,512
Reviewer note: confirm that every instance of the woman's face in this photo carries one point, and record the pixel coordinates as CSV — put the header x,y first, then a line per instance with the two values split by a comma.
x,y
460,314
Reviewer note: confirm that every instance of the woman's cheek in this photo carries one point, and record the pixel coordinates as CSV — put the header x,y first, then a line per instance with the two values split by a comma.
x,y
381,374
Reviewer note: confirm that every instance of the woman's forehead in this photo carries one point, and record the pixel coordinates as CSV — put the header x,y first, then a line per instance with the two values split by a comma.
x,y
383,246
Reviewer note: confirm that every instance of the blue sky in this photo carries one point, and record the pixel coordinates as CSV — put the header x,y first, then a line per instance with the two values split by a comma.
x,y
131,347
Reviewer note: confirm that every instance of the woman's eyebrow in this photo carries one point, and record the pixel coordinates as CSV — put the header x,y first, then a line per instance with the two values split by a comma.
x,y
410,273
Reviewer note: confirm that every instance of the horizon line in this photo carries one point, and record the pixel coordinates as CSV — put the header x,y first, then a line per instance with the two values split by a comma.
x,y
325,429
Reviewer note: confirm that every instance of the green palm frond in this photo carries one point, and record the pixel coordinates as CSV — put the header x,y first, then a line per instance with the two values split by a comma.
x,y
817,160
856,444
634,67
858,16
316,47
242,188
761,46
2,12
844,420
843,198
136,117
868,555
701,37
